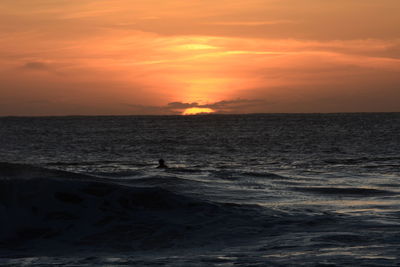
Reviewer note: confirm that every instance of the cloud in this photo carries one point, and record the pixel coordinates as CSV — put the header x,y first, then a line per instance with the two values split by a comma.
x,y
224,106
221,107
36,65
180,105
237,103
151,110
250,23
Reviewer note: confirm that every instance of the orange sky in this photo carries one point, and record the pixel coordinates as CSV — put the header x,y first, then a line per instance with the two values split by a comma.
x,y
97,57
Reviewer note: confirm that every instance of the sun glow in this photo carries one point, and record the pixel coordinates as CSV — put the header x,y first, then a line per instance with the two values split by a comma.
x,y
196,111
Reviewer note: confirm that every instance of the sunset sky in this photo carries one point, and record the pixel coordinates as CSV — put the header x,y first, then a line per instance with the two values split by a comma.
x,y
97,57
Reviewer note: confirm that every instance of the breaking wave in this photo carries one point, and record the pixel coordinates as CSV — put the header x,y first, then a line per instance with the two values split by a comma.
x,y
42,208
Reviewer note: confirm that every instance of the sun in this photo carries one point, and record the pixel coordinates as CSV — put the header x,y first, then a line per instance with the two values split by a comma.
x,y
196,111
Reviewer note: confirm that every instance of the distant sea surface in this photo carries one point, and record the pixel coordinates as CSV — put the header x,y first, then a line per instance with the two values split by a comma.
x,y
240,190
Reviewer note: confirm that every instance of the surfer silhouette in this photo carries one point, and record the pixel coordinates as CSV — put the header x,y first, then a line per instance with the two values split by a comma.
x,y
161,164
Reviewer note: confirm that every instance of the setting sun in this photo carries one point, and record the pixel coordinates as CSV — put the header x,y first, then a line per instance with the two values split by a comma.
x,y
137,130
126,57
196,111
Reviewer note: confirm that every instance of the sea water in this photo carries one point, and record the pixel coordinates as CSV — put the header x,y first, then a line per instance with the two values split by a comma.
x,y
240,190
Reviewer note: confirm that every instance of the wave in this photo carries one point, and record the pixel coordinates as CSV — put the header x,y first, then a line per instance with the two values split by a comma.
x,y
50,209
183,170
118,175
264,175
394,166
354,161
26,171
345,238
344,191
163,181
234,175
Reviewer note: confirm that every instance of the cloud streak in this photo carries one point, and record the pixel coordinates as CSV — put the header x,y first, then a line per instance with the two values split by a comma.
x,y
235,106
36,66
250,23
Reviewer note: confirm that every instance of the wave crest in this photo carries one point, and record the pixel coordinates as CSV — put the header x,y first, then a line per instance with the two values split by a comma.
x,y
44,208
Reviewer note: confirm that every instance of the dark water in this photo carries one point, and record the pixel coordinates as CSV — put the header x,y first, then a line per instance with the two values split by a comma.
x,y
241,190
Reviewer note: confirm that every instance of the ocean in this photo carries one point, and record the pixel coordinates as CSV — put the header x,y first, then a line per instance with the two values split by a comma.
x,y
240,190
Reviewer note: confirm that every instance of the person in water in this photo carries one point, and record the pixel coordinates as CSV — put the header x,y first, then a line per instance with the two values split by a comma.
x,y
161,164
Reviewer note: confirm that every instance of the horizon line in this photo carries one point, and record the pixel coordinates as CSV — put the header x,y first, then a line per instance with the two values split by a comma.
x,y
200,115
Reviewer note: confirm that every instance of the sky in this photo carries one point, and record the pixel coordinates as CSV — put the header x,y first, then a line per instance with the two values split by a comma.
x,y
147,57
